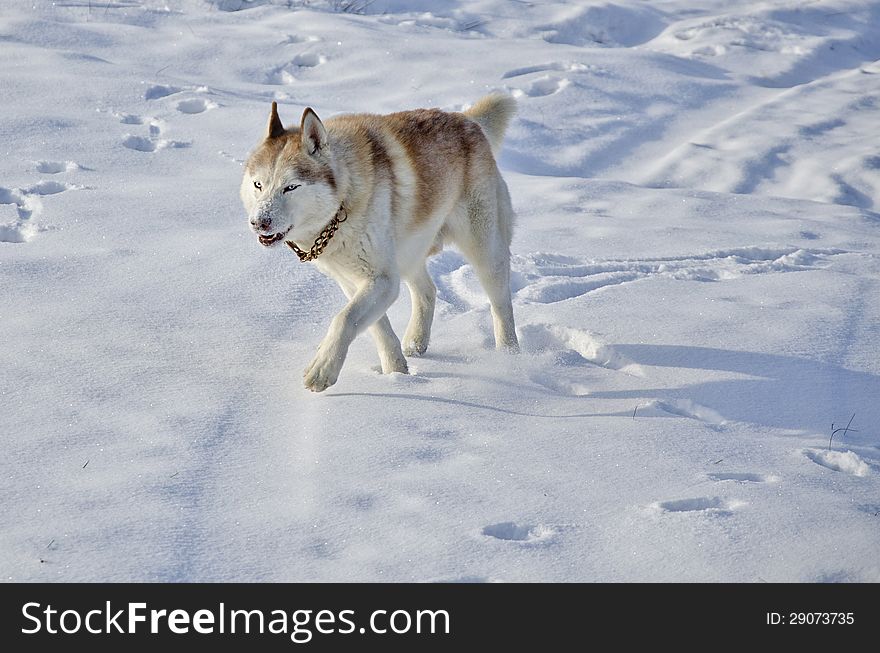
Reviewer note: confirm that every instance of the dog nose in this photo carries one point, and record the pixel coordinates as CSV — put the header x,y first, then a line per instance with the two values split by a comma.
x,y
261,223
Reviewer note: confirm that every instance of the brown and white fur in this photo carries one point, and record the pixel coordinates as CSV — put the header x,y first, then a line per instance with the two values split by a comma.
x,y
408,182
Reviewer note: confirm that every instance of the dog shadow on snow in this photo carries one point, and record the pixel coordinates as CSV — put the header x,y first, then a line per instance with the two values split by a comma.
x,y
772,390
460,403
776,391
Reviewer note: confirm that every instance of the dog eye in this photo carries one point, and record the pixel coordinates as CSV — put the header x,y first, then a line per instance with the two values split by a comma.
x,y
287,189
258,185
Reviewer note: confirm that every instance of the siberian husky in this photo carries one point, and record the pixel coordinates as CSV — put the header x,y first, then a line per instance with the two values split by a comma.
x,y
368,198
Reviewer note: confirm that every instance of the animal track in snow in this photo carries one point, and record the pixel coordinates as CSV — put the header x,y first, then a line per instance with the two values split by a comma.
x,y
559,385
706,505
28,205
429,20
158,91
742,477
547,85
49,187
524,533
143,144
573,346
606,24
456,281
544,278
839,461
287,74
297,38
308,60
152,143
554,66
550,278
25,205
26,200
18,232
683,408
280,77
56,167
139,143
195,105
131,118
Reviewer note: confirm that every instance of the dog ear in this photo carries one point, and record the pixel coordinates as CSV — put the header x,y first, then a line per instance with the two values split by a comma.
x,y
275,127
314,136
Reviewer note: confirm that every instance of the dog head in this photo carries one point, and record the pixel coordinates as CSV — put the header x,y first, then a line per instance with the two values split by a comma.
x,y
289,188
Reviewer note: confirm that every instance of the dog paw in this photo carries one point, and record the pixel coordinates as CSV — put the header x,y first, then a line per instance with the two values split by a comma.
x,y
415,340
508,346
321,373
415,347
318,378
396,364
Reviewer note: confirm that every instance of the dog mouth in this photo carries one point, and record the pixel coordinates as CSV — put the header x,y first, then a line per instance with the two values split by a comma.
x,y
267,240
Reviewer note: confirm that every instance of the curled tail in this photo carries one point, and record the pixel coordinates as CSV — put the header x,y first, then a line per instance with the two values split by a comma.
x,y
493,113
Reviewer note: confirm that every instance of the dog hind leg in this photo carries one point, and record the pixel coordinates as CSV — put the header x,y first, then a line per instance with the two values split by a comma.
x,y
485,243
423,294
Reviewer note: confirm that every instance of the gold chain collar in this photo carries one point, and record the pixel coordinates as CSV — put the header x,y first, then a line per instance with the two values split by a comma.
x,y
323,238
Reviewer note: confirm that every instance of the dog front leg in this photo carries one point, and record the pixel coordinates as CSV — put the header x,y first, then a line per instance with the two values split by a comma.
x,y
367,305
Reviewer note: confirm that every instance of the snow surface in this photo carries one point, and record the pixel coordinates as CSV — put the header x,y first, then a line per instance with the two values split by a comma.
x,y
696,285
